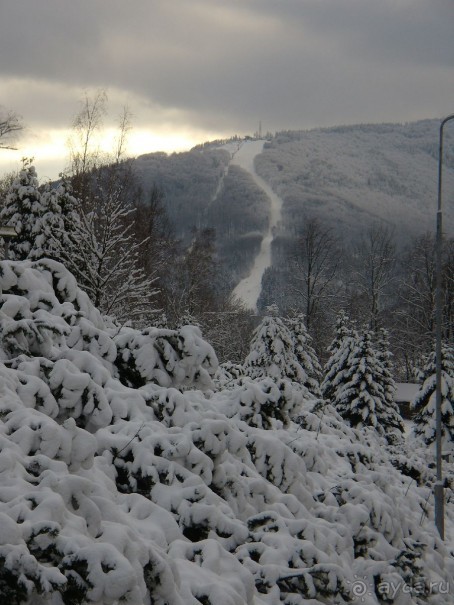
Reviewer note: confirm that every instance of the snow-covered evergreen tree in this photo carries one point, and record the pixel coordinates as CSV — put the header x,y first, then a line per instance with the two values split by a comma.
x,y
360,397
344,328
386,380
340,349
23,211
305,353
46,221
272,352
59,222
425,401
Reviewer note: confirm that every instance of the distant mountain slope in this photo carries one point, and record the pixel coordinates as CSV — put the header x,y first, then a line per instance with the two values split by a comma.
x,y
349,177
202,189
188,180
354,175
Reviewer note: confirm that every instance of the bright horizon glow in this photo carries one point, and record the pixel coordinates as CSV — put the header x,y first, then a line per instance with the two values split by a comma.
x,y
50,151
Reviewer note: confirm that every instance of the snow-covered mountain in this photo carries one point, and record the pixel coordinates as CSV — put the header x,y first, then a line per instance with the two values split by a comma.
x,y
354,175
350,178
130,475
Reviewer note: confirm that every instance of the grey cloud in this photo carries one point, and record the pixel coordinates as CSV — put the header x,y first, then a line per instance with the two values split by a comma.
x,y
292,63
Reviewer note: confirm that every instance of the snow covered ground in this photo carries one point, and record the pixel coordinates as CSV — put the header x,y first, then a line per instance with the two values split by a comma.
x,y
243,155
129,474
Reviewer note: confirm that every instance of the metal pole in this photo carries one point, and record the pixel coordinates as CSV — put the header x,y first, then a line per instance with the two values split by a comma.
x,y
438,491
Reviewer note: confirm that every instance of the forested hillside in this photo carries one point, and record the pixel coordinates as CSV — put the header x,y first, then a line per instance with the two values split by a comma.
x,y
356,230
351,176
348,177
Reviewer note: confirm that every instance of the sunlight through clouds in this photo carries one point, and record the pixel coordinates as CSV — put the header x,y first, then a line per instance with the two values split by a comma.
x,y
191,70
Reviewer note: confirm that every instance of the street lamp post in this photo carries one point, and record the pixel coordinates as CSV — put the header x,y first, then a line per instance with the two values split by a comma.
x,y
438,492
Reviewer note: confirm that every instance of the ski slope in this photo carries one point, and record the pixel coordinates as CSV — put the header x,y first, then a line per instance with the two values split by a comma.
x,y
249,288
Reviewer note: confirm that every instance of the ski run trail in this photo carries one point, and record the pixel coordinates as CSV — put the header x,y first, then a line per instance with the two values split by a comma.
x,y
243,154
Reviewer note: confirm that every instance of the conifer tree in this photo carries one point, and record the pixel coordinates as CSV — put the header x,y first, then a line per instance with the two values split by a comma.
x,y
305,353
272,351
425,401
59,223
360,398
340,349
385,378
46,221
23,210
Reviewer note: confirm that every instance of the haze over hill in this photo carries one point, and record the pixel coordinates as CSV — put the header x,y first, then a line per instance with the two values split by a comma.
x,y
352,175
348,177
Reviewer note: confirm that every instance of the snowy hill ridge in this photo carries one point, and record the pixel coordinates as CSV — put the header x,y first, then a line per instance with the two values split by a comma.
x,y
353,175
348,176
128,476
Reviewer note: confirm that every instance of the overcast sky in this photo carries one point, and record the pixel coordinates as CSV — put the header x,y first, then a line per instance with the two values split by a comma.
x,y
192,70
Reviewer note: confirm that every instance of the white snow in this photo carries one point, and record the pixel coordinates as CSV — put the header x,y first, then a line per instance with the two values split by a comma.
x,y
243,155
119,484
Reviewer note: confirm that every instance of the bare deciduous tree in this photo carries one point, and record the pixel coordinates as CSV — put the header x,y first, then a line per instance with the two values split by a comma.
x,y
104,255
316,269
84,152
374,264
418,286
10,126
414,329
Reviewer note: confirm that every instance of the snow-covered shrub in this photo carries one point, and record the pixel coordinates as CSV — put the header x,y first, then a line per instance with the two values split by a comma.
x,y
146,494
228,374
166,357
260,402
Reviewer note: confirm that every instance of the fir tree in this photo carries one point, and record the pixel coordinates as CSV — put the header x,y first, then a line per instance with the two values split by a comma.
x,y
59,222
339,350
44,220
385,379
305,354
425,401
23,210
360,397
272,352
344,329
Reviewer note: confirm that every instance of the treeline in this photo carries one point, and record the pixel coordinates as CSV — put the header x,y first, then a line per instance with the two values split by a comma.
x,y
378,283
